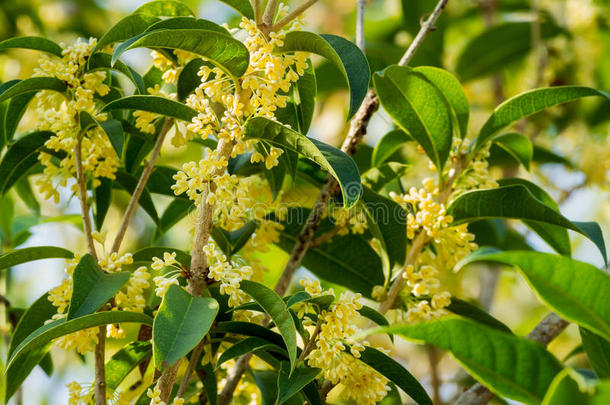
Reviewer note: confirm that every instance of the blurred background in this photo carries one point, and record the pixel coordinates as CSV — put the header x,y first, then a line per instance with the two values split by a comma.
x,y
497,48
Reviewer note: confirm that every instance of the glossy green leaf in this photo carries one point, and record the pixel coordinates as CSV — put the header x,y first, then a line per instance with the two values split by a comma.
x,y
598,352
104,61
31,85
511,201
528,103
189,79
379,177
243,7
332,160
154,104
232,242
290,384
419,108
396,373
345,55
388,145
30,254
275,307
187,23
508,365
570,387
20,157
182,321
248,345
467,310
35,43
126,28
518,146
15,109
102,197
220,49
165,8
453,92
92,287
577,291
124,361
129,183
249,329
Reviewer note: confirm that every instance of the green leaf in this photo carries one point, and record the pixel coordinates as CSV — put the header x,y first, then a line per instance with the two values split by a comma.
x,y
31,85
290,382
30,254
388,145
187,23
20,157
249,345
396,373
453,92
102,196
243,7
129,183
528,103
346,56
249,329
231,242
182,321
332,160
508,365
471,311
419,108
33,318
124,361
570,387
26,194
511,201
222,50
35,43
15,110
165,8
577,291
104,61
61,327
145,255
175,211
500,45
598,352
92,287
128,27
275,307
189,79
379,177
518,146
210,384
154,104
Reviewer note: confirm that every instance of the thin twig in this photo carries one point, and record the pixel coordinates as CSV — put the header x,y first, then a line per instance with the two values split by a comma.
x,y
195,355
100,366
270,13
547,330
293,14
311,343
225,396
137,193
256,5
360,9
433,359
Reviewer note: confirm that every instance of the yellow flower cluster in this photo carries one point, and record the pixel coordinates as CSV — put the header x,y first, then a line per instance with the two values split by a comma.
x,y
349,220
338,327
476,176
59,114
227,274
155,398
77,394
164,281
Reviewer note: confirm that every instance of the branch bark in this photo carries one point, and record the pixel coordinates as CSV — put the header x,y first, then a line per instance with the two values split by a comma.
x,y
195,355
547,330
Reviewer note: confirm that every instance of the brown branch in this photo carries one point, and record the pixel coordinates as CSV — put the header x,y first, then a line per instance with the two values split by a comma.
x,y
195,355
270,13
137,193
360,11
547,330
433,359
225,396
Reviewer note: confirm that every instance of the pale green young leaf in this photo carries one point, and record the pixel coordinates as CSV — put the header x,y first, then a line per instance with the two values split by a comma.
x,y
598,352
243,7
165,8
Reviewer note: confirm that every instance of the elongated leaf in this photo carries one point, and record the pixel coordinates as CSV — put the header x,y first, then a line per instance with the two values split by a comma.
x,y
243,7
419,108
249,329
35,43
129,183
188,23
165,8
124,361
45,334
182,321
154,104
15,109
508,365
528,103
471,311
92,287
570,387
32,85
275,307
220,49
388,145
331,159
396,373
30,254
346,56
104,61
452,90
512,201
145,255
126,28
20,157
189,78
598,352
248,345
518,146
102,196
290,384
577,291
379,177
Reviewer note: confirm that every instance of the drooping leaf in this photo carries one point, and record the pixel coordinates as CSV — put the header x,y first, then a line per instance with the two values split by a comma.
x,y
518,146
598,352
92,287
508,365
419,108
291,382
331,159
243,7
275,307
577,291
471,311
388,145
30,254
182,321
20,157
345,55
126,28
31,85
396,373
165,8
453,92
124,361
154,104
528,103
379,177
35,43
249,345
